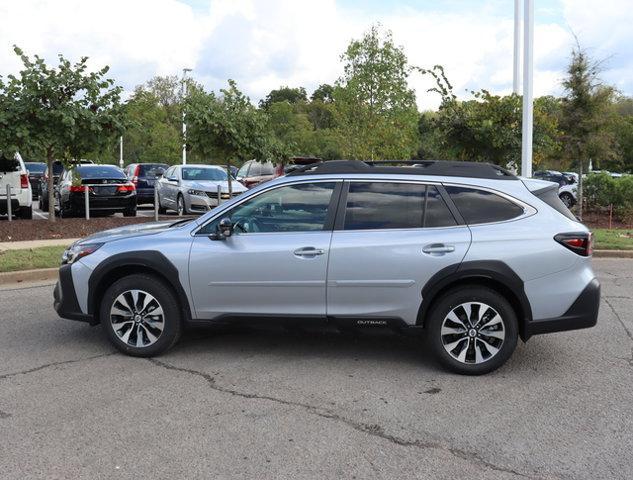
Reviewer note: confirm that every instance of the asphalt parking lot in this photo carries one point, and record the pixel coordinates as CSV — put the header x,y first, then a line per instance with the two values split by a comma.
x,y
270,404
143,211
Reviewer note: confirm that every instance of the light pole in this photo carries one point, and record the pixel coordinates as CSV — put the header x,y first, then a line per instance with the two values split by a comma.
x,y
516,70
184,125
528,64
121,151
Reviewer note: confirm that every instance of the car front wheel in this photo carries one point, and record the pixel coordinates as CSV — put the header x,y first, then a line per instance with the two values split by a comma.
x,y
567,199
473,330
141,316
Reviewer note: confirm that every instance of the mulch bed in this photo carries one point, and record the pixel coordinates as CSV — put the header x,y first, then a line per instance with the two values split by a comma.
x,y
19,230
596,219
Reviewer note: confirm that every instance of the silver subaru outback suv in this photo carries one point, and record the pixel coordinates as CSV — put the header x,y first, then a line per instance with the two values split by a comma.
x,y
467,253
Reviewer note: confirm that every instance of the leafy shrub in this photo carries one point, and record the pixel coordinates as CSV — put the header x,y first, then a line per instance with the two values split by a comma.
x,y
602,190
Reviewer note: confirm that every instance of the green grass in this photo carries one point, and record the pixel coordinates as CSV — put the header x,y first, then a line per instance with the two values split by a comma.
x,y
620,239
30,258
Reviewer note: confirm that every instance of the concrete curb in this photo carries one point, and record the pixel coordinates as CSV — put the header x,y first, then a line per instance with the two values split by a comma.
x,y
613,253
37,275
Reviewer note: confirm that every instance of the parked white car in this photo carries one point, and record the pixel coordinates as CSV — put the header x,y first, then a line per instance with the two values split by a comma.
x,y
14,173
567,184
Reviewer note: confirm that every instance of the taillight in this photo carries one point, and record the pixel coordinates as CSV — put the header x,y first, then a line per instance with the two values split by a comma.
x,y
24,180
137,170
579,243
78,188
128,187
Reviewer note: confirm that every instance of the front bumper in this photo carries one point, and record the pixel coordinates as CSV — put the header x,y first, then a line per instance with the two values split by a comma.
x,y
583,313
65,299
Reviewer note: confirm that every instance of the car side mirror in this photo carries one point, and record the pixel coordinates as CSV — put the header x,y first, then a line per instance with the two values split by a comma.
x,y
225,230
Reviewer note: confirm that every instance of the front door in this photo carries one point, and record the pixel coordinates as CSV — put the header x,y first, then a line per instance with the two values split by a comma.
x,y
391,238
275,263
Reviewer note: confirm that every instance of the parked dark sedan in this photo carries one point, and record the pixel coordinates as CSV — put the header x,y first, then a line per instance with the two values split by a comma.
x,y
58,170
143,176
36,172
109,191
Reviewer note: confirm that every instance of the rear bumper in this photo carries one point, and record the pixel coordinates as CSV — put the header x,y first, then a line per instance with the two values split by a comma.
x,y
15,205
583,313
65,299
110,203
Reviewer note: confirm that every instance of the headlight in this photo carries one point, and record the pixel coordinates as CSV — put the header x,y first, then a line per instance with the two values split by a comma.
x,y
75,252
199,193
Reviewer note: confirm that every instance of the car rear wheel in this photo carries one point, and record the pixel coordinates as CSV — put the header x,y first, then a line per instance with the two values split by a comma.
x,y
130,212
473,330
181,208
26,213
141,316
567,199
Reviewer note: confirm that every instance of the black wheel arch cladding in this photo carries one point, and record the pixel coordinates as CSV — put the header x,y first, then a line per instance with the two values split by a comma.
x,y
144,261
493,273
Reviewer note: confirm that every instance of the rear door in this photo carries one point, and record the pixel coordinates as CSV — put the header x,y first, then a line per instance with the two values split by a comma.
x,y
390,238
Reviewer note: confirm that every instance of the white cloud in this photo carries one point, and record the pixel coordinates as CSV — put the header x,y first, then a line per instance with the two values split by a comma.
x,y
267,43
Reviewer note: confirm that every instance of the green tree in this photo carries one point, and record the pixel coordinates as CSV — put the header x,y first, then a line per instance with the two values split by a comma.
x,y
585,119
64,111
375,110
229,127
488,128
284,94
323,93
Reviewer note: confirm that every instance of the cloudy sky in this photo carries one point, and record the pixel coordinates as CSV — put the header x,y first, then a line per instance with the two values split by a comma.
x,y
263,44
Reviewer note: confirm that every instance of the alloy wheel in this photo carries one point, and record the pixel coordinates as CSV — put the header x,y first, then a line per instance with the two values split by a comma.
x,y
137,318
473,332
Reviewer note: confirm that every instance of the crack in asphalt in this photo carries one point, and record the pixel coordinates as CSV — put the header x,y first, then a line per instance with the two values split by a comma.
x,y
52,364
370,429
626,329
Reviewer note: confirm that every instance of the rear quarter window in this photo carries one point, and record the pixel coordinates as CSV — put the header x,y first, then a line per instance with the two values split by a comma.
x,y
550,196
481,206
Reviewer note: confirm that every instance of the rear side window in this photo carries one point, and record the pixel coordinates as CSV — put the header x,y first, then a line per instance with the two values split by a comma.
x,y
8,164
550,196
383,205
151,169
481,206
102,171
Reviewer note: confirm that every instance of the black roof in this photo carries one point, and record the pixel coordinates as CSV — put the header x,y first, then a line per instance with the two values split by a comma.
x,y
407,167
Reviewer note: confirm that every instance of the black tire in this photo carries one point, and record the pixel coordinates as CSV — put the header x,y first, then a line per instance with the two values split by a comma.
x,y
180,200
452,300
129,212
25,213
172,319
567,199
65,212
43,204
161,210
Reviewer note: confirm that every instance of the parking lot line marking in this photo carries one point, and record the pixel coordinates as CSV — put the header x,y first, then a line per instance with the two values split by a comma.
x,y
41,215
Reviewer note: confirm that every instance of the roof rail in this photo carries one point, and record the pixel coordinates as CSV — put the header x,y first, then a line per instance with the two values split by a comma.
x,y
408,167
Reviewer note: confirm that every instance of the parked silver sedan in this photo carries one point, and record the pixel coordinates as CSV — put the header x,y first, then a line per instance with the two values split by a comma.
x,y
194,188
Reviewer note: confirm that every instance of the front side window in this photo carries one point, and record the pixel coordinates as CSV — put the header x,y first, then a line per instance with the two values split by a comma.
x,y
293,208
481,206
383,205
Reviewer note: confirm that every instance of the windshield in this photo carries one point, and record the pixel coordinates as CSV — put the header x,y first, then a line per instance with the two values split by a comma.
x,y
100,171
203,173
35,167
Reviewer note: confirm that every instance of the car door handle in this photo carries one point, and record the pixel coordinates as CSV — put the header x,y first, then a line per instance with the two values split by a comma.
x,y
438,249
308,252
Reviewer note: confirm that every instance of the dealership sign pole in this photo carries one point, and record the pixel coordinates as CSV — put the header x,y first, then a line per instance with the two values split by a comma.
x,y
516,67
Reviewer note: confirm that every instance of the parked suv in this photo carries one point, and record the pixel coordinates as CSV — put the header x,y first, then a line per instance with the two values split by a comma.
x,y
144,176
13,173
466,252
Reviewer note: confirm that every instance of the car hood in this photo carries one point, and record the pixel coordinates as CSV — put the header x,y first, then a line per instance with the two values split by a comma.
x,y
128,231
212,185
